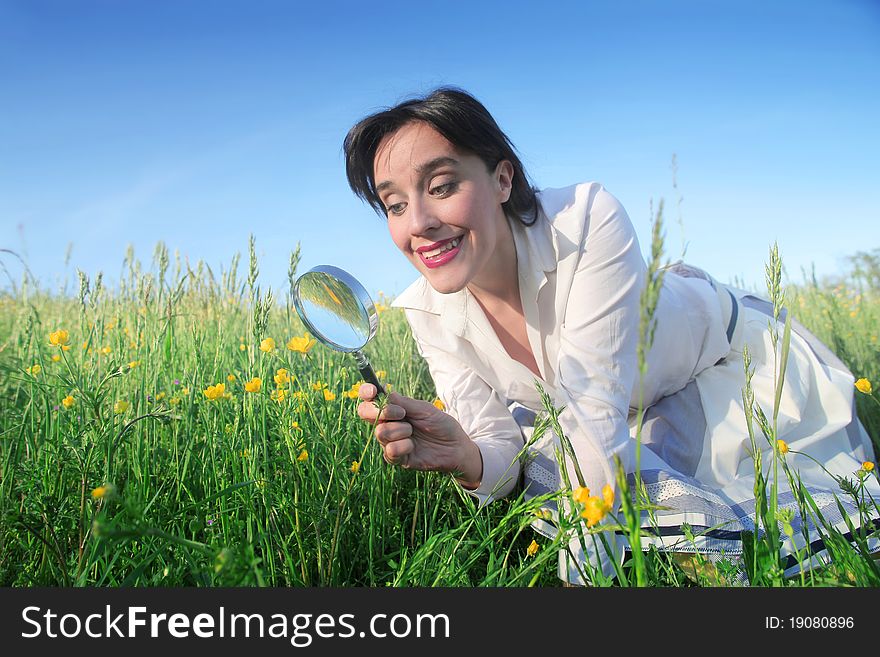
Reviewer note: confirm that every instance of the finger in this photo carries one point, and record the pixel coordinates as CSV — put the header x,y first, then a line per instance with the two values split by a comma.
x,y
369,411
392,413
389,432
415,408
367,391
397,453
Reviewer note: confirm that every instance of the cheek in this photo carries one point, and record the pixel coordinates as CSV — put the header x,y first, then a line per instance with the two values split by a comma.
x,y
464,212
399,237
479,214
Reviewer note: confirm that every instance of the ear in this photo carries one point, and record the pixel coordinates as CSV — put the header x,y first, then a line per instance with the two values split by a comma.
x,y
504,180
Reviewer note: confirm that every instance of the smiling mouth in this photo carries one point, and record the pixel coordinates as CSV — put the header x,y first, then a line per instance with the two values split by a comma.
x,y
448,246
442,254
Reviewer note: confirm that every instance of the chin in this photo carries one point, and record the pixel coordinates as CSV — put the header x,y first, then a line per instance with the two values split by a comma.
x,y
443,285
444,288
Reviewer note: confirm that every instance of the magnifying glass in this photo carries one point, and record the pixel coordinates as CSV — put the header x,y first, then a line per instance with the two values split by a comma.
x,y
337,310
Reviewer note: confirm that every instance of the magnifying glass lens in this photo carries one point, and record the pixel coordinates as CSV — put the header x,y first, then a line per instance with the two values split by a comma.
x,y
337,310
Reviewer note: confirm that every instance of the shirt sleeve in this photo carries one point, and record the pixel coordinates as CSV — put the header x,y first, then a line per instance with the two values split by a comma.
x,y
597,365
482,414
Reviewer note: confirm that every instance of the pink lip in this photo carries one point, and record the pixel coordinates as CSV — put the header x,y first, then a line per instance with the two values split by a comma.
x,y
440,260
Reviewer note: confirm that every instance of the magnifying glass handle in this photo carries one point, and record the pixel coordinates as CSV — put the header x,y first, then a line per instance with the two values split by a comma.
x,y
367,372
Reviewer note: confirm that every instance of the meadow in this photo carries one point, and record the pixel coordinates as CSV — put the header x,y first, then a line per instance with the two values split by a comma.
x,y
182,429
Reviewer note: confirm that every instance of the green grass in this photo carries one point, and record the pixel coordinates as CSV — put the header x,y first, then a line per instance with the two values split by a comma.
x,y
250,490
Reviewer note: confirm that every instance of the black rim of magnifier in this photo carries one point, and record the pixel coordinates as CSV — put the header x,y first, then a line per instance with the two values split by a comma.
x,y
360,293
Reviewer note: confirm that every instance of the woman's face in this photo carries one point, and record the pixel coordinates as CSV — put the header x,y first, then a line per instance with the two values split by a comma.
x,y
443,207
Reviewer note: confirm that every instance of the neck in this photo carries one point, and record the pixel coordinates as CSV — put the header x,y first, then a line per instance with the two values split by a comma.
x,y
498,283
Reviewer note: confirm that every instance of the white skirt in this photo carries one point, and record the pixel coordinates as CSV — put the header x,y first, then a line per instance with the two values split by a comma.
x,y
696,454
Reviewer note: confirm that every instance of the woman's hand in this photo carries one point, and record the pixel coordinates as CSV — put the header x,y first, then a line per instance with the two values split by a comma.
x,y
416,434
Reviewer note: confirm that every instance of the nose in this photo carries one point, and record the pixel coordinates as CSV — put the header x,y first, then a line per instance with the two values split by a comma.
x,y
422,217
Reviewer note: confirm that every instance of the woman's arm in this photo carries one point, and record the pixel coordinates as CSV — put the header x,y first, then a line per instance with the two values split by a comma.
x,y
597,366
483,416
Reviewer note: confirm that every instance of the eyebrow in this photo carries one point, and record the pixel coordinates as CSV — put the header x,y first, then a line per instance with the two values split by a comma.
x,y
422,170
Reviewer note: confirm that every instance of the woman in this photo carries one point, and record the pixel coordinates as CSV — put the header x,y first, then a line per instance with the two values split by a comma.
x,y
519,286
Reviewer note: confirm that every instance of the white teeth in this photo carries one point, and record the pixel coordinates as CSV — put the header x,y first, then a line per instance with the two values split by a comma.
x,y
446,247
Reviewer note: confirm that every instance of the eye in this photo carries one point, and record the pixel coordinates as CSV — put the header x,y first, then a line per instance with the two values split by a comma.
x,y
396,209
444,189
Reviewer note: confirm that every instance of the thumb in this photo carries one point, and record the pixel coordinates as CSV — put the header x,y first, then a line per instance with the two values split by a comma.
x,y
414,408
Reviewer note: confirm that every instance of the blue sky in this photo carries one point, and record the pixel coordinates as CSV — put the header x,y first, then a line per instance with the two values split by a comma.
x,y
198,123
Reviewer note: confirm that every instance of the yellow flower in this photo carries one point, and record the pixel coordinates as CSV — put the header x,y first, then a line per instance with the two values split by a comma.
x,y
353,392
864,386
279,394
439,404
294,425
532,550
608,496
268,345
594,510
35,369
241,347
380,308
355,466
134,363
101,492
59,338
68,401
230,378
120,407
580,494
303,456
56,358
868,466
174,401
215,392
317,385
106,350
244,453
782,446
282,377
160,396
329,396
184,391
254,384
380,374
301,344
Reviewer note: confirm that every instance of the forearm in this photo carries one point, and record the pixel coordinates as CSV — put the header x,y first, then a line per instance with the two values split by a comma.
x,y
470,466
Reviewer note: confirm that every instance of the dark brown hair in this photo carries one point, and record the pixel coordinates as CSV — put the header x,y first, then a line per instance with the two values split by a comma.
x,y
462,120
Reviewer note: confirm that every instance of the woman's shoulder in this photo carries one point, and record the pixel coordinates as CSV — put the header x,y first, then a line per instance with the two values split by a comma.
x,y
579,208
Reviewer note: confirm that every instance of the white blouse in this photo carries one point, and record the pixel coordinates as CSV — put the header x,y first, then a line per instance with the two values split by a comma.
x,y
581,274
